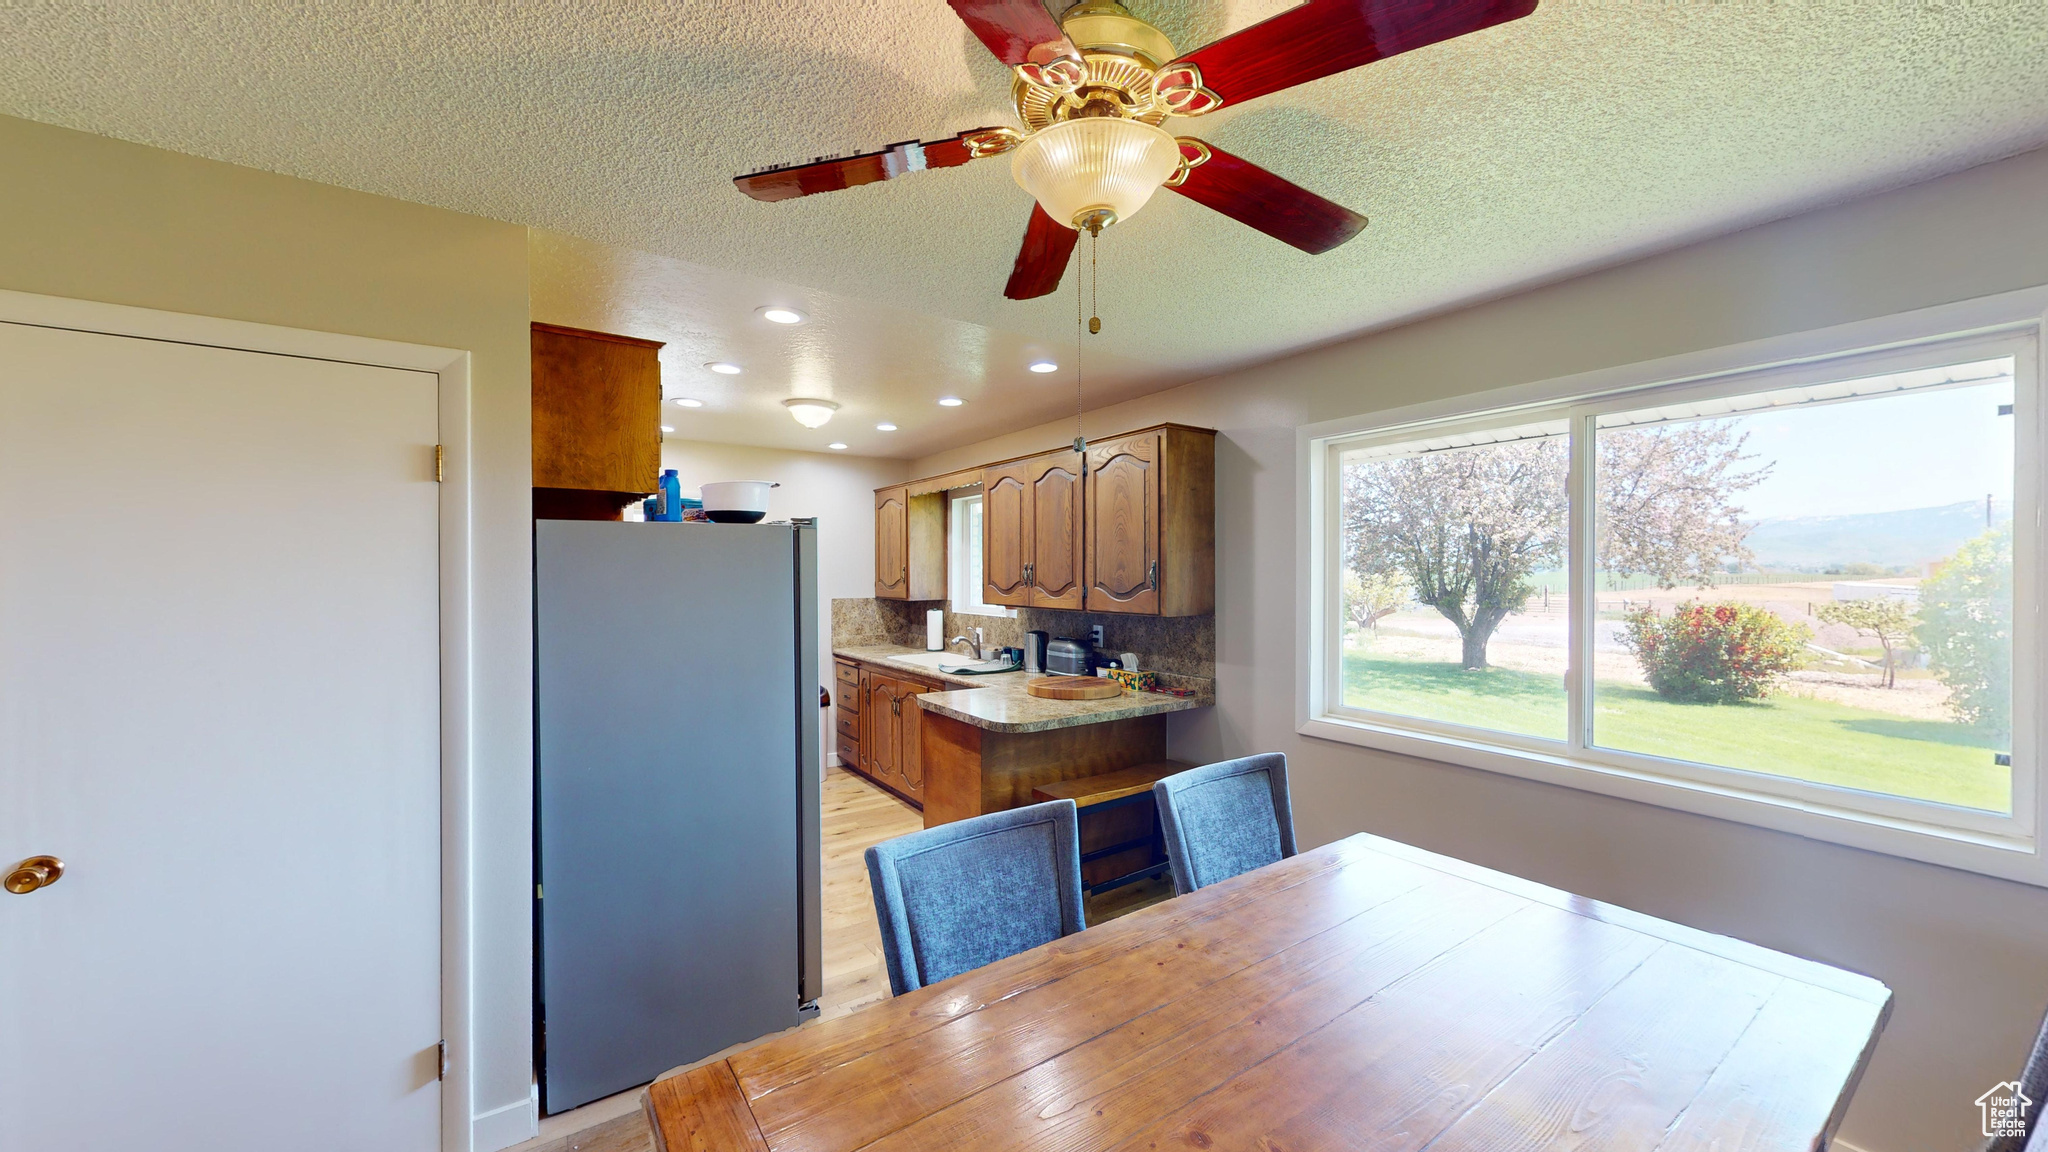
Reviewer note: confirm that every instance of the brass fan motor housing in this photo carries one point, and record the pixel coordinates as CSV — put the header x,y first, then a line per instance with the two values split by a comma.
x,y
1119,55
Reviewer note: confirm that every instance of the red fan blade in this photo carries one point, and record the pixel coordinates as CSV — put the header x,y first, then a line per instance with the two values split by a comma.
x,y
1043,259
1324,37
1281,209
1017,31
832,174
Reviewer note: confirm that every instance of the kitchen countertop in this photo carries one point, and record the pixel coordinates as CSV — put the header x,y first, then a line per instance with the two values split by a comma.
x,y
999,703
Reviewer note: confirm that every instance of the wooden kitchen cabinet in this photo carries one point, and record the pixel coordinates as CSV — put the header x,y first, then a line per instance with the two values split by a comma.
x,y
596,421
1151,523
910,544
1031,532
846,694
890,731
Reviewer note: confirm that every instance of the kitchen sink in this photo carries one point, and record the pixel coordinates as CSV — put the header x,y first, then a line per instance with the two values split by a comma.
x,y
956,663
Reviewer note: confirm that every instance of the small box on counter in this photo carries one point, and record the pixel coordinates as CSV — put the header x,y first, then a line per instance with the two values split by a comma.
x,y
1135,681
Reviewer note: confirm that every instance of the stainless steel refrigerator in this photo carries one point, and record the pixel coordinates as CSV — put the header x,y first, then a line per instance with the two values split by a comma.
x,y
677,761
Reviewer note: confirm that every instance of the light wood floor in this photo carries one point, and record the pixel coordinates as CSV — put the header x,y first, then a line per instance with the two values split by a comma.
x,y
856,815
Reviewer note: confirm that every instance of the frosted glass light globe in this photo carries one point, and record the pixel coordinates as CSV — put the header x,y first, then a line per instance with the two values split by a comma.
x,y
811,413
1078,167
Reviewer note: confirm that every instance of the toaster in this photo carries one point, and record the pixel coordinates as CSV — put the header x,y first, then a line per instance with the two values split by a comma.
x,y
1067,657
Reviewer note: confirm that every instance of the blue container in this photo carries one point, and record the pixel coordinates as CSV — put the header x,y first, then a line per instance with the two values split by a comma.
x,y
666,504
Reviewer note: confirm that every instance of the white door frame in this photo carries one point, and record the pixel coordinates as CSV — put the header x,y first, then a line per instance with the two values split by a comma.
x,y
451,367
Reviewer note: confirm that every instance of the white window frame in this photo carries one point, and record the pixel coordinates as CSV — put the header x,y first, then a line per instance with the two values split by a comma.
x,y
2009,846
965,593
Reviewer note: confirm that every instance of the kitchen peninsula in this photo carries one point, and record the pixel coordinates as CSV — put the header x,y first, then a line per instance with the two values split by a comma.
x,y
964,745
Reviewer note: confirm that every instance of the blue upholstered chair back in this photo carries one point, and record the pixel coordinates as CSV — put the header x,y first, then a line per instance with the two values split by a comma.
x,y
1225,819
953,898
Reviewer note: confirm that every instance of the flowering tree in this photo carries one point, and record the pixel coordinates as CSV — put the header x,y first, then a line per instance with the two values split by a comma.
x,y
1371,597
1469,526
1889,619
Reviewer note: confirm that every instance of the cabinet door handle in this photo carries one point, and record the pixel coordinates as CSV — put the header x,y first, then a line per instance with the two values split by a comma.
x,y
1152,574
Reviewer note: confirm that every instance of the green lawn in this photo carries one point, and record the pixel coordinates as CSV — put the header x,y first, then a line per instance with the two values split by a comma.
x,y
1783,735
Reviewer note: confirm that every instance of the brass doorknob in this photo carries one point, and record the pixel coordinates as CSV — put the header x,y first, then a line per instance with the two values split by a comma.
x,y
33,873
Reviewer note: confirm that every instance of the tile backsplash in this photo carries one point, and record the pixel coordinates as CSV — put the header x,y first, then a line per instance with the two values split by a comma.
x,y
1177,646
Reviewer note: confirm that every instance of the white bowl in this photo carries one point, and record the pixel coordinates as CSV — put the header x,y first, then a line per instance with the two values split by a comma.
x,y
737,501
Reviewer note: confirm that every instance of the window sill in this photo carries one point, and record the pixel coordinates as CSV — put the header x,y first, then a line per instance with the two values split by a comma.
x,y
1988,854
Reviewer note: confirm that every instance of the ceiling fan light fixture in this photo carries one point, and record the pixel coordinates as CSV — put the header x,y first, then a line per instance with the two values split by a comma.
x,y
811,413
1095,171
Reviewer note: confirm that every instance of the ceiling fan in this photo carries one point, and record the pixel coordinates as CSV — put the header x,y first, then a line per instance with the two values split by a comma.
x,y
1092,89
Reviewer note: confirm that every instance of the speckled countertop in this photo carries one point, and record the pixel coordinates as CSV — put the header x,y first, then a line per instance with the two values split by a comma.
x,y
999,702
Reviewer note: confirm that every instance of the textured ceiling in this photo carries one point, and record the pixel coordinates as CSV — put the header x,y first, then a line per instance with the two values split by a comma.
x,y
1578,136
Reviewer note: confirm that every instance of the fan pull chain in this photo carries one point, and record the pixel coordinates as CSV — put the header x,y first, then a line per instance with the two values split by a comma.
x,y
1080,438
1094,318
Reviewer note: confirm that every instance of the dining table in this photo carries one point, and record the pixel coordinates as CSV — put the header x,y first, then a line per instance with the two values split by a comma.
x,y
1365,994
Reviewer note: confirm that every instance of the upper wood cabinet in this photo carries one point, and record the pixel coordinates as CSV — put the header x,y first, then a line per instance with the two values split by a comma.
x,y
892,544
1151,522
910,544
596,412
1031,521
1129,526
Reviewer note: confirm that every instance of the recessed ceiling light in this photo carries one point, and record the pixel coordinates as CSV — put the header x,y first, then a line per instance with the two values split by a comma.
x,y
950,401
689,402
776,314
811,413
836,446
885,426
1043,366
723,368
666,428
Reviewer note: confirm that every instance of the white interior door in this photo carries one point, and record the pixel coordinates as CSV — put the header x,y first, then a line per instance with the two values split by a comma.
x,y
219,706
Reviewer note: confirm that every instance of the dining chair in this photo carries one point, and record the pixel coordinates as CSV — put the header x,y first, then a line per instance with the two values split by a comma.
x,y
2033,1084
1224,819
953,898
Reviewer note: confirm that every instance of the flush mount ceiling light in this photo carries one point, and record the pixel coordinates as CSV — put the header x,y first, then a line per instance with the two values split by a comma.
x,y
1043,366
950,401
811,413
666,428
1091,91
689,402
776,314
836,446
885,426
723,368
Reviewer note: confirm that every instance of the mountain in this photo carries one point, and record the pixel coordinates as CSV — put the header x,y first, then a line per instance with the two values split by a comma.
x,y
1909,537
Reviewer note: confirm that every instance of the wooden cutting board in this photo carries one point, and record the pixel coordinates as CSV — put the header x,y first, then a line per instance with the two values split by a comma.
x,y
1073,687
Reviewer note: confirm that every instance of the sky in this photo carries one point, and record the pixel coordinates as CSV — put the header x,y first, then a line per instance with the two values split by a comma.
x,y
1915,450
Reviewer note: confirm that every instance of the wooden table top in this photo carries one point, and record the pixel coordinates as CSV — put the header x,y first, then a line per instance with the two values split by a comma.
x,y
1365,994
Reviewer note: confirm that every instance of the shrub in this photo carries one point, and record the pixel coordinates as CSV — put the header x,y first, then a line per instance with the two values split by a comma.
x,y
1966,631
1713,653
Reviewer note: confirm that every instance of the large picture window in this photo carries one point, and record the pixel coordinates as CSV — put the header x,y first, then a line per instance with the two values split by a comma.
x,y
1799,587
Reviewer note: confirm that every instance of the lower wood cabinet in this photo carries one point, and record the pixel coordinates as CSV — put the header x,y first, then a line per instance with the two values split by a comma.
x,y
889,730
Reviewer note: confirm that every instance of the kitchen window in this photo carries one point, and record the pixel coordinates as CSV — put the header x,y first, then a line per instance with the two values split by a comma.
x,y
1799,594
963,558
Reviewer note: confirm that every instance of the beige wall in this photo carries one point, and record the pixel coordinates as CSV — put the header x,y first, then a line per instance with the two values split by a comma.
x,y
837,489
1966,955
95,219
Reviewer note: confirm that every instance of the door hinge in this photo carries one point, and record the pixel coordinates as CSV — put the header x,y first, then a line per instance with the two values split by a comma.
x,y
440,464
444,1060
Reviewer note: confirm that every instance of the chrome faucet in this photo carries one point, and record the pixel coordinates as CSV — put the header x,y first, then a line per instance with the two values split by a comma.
x,y
974,643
